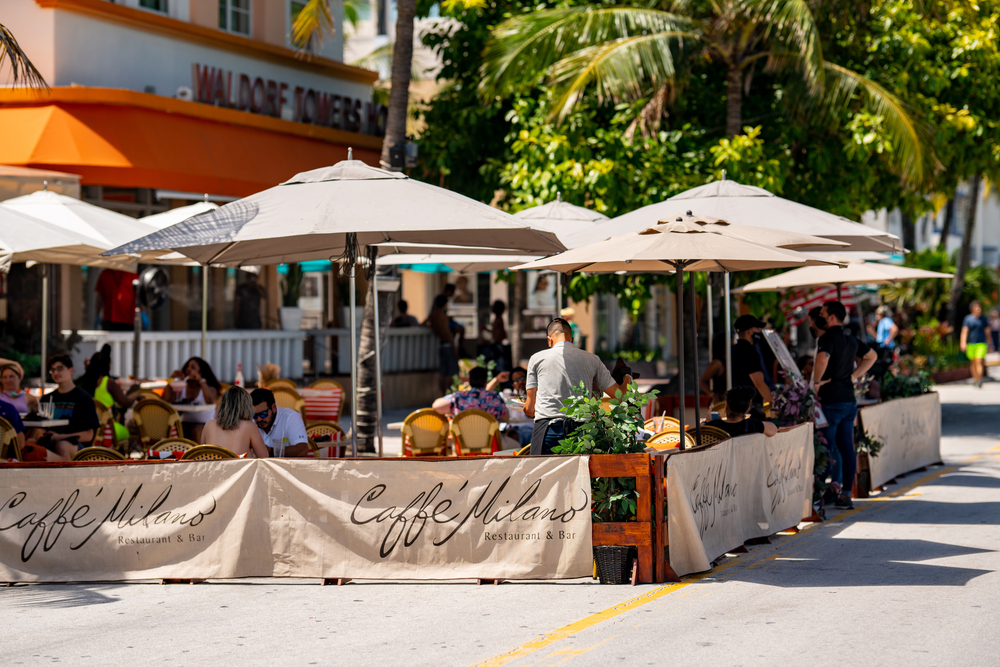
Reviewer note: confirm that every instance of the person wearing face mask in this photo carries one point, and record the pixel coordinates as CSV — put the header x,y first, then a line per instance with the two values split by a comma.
x,y
748,365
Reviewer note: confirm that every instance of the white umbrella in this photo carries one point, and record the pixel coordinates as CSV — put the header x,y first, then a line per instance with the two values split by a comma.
x,y
460,263
180,214
679,246
868,273
562,218
332,212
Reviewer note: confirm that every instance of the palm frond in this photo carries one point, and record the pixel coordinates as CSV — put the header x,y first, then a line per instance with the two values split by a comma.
x,y
380,60
351,13
621,70
523,48
791,22
21,67
313,25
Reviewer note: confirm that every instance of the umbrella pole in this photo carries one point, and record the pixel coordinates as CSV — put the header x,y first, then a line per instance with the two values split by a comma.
x,y
378,363
136,331
680,349
729,335
204,311
839,288
558,295
694,357
711,323
45,320
354,369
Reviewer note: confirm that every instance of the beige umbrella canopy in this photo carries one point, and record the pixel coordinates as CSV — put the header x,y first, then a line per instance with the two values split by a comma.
x,y
318,214
460,263
565,220
853,274
748,205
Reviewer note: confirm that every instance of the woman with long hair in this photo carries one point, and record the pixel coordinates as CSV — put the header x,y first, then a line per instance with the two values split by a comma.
x,y
202,389
11,375
233,426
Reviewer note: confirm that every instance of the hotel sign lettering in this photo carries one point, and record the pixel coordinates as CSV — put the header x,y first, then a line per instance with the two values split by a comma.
x,y
267,97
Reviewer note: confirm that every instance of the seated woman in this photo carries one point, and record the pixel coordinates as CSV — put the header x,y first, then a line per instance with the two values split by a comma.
x,y
233,426
11,375
736,422
202,389
97,382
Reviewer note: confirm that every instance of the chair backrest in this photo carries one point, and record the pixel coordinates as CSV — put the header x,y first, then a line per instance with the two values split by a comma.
x,y
720,407
155,420
9,448
326,384
286,397
105,434
325,428
142,394
173,445
669,439
98,454
281,382
711,435
424,433
475,432
208,453
657,424
524,451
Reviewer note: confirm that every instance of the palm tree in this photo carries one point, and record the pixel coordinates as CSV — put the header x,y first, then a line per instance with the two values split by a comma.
x,y
628,52
21,67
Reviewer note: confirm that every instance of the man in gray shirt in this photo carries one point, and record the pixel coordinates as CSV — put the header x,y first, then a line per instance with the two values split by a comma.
x,y
553,375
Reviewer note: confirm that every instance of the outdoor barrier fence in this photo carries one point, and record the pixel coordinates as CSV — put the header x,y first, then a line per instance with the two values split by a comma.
x,y
910,429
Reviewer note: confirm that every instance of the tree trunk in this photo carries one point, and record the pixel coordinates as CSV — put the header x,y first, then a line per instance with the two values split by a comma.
x,y
909,231
402,68
395,133
367,441
949,219
958,282
734,102
517,302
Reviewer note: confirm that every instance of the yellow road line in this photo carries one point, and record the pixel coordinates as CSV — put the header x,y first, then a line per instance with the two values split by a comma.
x,y
656,594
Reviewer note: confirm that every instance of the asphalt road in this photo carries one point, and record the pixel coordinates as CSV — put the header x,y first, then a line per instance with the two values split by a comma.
x,y
907,578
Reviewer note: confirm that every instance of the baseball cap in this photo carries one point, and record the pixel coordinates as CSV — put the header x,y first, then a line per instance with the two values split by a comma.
x,y
744,322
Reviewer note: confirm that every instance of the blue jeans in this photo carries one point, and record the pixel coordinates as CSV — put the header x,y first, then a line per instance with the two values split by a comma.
x,y
839,435
555,430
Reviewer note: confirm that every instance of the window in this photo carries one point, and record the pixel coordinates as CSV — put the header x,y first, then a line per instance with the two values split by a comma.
x,y
156,5
234,16
294,7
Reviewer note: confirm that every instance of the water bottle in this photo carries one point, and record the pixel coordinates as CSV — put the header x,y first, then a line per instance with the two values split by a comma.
x,y
238,382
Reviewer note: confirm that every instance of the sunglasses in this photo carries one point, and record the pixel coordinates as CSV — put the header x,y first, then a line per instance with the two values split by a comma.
x,y
262,415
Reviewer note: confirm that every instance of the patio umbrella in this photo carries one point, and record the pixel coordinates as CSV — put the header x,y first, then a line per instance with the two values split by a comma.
x,y
868,273
333,212
681,245
460,263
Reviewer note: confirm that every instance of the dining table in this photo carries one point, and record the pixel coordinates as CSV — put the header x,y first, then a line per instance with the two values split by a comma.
x,y
44,423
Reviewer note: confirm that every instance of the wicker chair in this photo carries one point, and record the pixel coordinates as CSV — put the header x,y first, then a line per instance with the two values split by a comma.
x,y
657,424
105,435
524,451
670,439
208,453
475,433
281,382
9,449
711,435
143,394
171,445
286,397
720,407
98,454
325,409
326,428
155,421
425,433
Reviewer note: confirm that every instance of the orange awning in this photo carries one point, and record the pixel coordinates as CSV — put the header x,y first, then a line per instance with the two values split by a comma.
x,y
126,139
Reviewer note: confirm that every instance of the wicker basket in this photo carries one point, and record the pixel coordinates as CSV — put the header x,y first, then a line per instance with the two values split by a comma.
x,y
614,564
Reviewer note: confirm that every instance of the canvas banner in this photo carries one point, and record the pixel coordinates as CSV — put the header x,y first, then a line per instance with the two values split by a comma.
x,y
502,518
720,496
910,429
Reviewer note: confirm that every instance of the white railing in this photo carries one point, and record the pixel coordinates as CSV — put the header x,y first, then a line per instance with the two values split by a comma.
x,y
163,352
406,349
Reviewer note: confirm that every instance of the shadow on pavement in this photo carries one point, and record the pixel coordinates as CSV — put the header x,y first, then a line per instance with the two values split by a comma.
x,y
936,513
60,595
968,479
969,419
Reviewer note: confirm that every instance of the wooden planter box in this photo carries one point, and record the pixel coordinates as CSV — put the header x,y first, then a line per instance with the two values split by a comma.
x,y
952,375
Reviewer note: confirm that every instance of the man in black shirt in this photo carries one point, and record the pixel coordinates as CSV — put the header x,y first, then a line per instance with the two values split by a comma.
x,y
71,403
748,366
834,373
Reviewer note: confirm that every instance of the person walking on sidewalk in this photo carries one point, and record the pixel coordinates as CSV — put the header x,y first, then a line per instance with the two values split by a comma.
x,y
553,375
835,367
975,342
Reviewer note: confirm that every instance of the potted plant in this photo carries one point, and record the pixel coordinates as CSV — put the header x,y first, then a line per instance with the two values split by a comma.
x,y
291,286
608,426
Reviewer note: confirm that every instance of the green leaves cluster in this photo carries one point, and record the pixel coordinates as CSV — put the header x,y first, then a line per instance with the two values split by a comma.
x,y
607,431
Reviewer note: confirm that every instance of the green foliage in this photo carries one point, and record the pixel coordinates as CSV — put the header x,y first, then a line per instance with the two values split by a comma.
x,y
926,300
905,386
607,432
459,382
632,355
866,442
291,286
